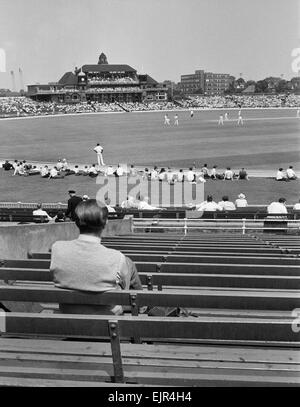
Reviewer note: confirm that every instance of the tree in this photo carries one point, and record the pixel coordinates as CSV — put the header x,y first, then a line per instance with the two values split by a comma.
x,y
261,86
282,86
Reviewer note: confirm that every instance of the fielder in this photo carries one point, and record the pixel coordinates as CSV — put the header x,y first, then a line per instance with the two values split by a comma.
x,y
99,150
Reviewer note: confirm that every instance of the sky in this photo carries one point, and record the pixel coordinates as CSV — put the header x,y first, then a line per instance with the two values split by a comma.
x,y
163,38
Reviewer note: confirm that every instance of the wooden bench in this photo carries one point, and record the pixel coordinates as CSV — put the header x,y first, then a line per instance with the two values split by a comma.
x,y
214,298
95,363
197,258
181,267
165,280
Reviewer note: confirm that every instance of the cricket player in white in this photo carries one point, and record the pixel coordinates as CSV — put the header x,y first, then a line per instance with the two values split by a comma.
x,y
298,113
221,120
99,150
167,120
240,119
226,117
176,122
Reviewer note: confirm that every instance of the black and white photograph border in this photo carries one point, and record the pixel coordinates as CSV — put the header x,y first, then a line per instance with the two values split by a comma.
x,y
150,206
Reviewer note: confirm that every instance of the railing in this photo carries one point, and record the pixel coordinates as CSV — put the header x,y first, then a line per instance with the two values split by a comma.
x,y
242,225
32,205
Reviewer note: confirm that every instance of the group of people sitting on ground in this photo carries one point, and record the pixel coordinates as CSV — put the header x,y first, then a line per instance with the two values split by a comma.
x,y
288,175
171,176
192,175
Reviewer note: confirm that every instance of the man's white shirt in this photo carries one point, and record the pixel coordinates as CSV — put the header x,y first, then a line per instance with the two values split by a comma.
x,y
98,149
241,203
277,207
190,176
40,212
290,173
279,175
209,206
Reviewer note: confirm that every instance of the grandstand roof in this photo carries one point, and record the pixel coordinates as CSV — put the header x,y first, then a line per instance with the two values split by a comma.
x,y
107,68
148,79
69,78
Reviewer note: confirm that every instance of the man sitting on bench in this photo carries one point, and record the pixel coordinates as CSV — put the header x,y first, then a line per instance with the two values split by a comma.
x,y
85,264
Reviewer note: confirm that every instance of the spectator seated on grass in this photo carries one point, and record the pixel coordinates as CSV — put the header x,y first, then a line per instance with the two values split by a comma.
x,y
119,171
180,176
214,175
191,176
132,171
204,170
243,175
280,176
228,175
209,205
201,177
241,201
85,171
170,176
45,171
277,207
93,173
7,166
162,174
54,174
59,165
40,212
109,171
33,171
84,264
154,174
226,205
290,173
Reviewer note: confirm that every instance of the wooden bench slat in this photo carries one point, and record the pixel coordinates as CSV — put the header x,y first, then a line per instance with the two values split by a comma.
x,y
209,298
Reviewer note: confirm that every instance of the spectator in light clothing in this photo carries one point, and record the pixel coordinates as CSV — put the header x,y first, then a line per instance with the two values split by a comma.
x,y
213,174
209,205
241,202
144,205
227,205
190,176
296,207
45,172
291,175
84,264
280,175
277,207
40,212
154,174
228,175
180,176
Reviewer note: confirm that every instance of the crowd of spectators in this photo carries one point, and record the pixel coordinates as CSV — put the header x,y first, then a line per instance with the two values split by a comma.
x,y
95,80
23,106
242,101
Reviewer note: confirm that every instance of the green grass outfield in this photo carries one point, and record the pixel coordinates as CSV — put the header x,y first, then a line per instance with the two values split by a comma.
x,y
268,139
36,189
